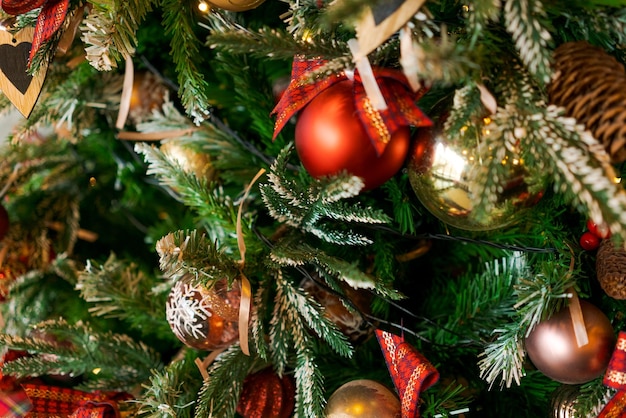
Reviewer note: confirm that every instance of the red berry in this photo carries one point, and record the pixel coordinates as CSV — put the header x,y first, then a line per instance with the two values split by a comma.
x,y
599,231
589,241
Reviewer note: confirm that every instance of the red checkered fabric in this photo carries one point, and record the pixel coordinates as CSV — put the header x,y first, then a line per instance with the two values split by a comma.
x,y
49,401
616,408
14,404
49,21
410,371
615,377
380,125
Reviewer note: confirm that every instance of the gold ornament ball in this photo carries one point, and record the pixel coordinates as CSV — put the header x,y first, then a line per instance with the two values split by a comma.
x,y
205,318
440,174
553,349
363,398
237,5
192,160
564,401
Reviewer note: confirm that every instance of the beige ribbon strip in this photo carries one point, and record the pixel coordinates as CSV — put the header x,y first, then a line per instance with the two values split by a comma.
x,y
246,290
367,77
487,99
84,234
127,90
408,58
154,136
203,365
580,331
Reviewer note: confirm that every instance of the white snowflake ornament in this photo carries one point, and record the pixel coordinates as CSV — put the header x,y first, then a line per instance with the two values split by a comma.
x,y
205,318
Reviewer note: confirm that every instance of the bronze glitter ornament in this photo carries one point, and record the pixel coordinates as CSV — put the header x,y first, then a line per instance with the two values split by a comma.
x,y
266,395
553,350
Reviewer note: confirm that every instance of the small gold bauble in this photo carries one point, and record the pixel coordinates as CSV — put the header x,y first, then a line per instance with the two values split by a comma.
x,y
363,398
439,173
192,160
237,5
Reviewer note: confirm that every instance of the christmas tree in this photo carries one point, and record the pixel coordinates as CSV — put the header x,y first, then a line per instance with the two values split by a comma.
x,y
358,208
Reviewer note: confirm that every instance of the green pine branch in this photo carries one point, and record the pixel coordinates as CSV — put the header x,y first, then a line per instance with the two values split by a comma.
x,y
119,289
288,328
291,251
109,31
527,23
230,159
219,394
171,392
318,207
213,205
188,252
539,293
80,350
480,15
178,22
267,43
579,166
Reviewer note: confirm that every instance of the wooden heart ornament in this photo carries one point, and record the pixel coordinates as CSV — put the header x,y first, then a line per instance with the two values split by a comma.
x,y
21,88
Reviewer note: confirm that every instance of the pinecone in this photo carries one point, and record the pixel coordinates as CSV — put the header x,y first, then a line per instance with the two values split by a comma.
x,y
611,269
591,85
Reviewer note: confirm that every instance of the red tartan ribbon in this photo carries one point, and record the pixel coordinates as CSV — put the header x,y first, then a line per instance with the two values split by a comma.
x,y
615,377
49,401
14,404
410,371
49,21
379,124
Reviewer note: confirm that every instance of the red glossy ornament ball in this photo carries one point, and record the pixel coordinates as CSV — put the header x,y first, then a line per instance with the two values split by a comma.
x,y
330,138
601,231
4,221
266,395
553,350
589,241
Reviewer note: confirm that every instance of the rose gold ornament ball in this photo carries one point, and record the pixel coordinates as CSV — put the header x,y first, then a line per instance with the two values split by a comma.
x,y
553,350
330,138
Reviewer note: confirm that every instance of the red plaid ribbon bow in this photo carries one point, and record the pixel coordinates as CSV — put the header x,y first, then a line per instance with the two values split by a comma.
x,y
51,401
49,20
615,377
410,371
379,124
